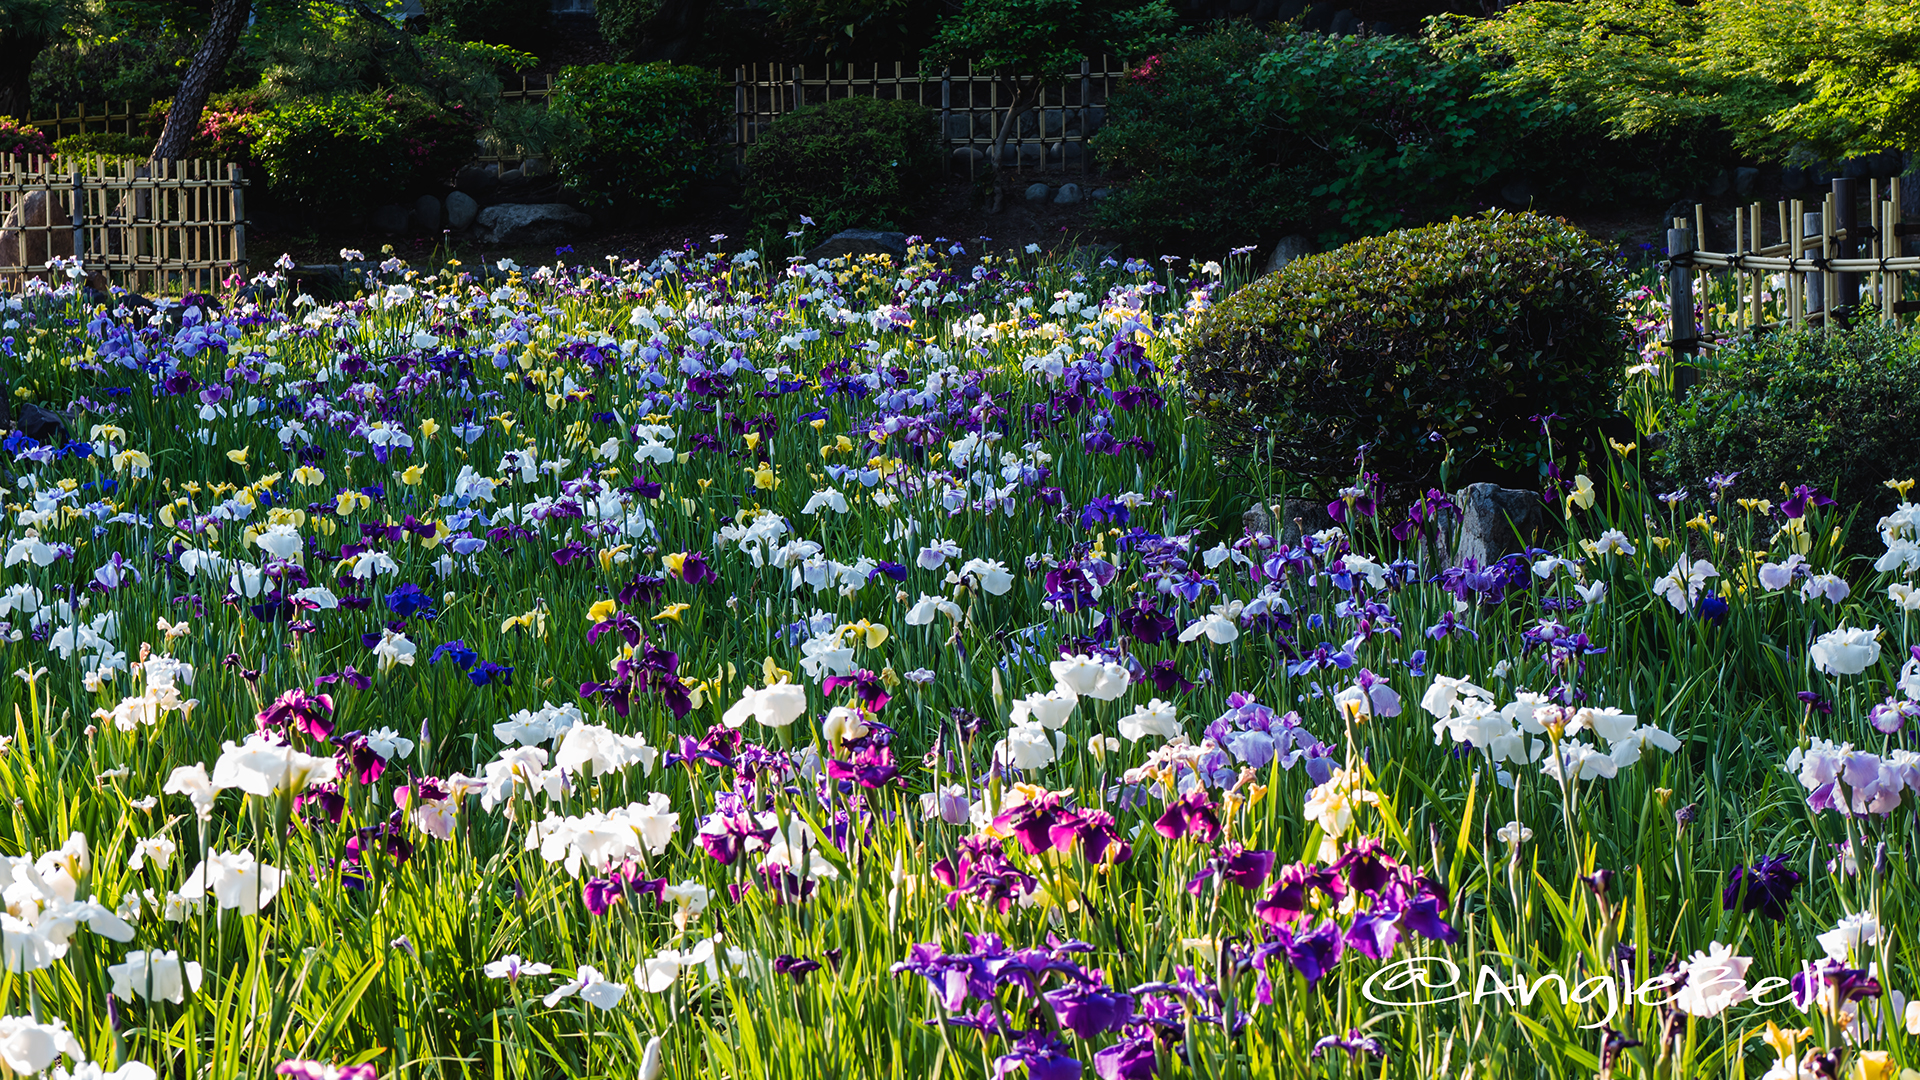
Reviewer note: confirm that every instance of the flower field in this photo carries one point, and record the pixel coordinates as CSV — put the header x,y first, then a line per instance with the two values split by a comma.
x,y
712,668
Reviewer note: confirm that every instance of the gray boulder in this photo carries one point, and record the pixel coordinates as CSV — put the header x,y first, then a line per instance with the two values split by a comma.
x,y
426,213
512,180
860,242
390,218
531,223
1038,192
477,178
534,168
461,210
1099,194
1068,194
1496,522
1288,249
1298,518
43,425
968,161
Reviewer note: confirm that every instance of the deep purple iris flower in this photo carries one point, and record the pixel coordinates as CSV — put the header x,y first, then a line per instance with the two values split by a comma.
x,y
1765,887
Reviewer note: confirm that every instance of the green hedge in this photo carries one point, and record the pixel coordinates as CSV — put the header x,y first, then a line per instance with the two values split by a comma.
x,y
1839,410
1451,338
347,151
853,162
107,144
1241,136
641,136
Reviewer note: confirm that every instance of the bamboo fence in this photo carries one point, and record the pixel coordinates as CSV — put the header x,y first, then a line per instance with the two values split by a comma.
x,y
1827,264
153,227
971,103
83,119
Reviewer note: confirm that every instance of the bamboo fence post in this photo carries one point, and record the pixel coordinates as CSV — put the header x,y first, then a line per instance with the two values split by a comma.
x,y
77,210
1846,245
1895,289
237,178
1682,332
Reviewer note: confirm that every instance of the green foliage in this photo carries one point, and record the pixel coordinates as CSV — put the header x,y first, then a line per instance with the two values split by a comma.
x,y
623,23
337,153
852,162
110,144
1238,136
1826,77
1200,175
1045,36
21,140
642,135
499,22
1446,340
1804,407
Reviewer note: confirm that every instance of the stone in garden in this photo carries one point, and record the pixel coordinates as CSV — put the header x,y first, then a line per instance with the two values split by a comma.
x,y
1031,154
426,212
1068,194
1298,518
1288,249
1722,181
968,161
1745,179
534,168
1496,522
1038,192
461,210
390,218
1099,194
512,180
1344,22
477,178
23,243
860,242
42,425
531,223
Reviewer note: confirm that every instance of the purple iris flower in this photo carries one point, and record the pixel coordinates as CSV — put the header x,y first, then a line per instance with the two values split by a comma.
x,y
1354,1044
1129,1059
487,672
457,651
1092,1010
1765,887
1314,953
1190,815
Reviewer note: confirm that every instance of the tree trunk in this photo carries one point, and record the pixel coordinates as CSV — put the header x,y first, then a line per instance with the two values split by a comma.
x,y
17,54
183,119
1023,100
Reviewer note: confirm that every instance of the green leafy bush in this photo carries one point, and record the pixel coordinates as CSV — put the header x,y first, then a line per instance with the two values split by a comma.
x,y
1239,136
341,152
852,162
1840,410
640,135
1451,339
21,140
107,144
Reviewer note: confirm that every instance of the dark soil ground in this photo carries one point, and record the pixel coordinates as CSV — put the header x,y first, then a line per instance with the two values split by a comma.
x,y
958,211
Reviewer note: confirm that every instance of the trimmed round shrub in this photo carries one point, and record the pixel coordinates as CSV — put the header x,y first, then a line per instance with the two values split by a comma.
x,y
854,162
639,137
1456,338
1838,410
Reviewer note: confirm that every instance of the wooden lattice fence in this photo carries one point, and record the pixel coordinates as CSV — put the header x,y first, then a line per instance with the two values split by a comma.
x,y
970,104
1828,264
153,227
